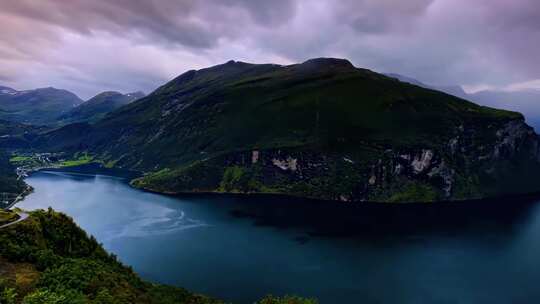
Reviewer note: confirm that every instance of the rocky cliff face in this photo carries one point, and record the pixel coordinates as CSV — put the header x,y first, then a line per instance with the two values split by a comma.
x,y
475,162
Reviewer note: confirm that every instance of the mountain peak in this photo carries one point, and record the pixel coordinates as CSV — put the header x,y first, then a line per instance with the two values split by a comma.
x,y
236,62
48,89
116,94
233,64
107,94
328,62
98,106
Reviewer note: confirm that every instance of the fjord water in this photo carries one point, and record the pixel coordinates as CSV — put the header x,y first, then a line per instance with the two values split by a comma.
x,y
239,249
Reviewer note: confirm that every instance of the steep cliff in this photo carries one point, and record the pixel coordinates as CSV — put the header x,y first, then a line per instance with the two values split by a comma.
x,y
469,166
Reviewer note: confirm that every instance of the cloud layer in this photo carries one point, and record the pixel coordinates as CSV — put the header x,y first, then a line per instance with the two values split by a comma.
x,y
128,45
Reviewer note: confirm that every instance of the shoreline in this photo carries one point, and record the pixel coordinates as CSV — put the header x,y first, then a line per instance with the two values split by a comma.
x,y
19,197
90,168
523,197
129,176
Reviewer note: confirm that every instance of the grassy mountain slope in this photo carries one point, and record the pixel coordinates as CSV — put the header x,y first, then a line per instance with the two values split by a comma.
x,y
98,106
321,129
39,106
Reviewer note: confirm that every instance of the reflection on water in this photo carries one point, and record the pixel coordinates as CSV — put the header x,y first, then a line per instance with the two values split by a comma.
x,y
240,249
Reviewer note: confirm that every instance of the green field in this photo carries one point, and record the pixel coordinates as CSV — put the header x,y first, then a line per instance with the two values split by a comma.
x,y
19,158
81,160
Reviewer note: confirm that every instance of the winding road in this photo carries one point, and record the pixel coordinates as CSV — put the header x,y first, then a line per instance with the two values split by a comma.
x,y
22,216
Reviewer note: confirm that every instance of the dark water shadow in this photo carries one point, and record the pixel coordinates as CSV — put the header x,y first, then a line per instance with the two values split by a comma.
x,y
371,220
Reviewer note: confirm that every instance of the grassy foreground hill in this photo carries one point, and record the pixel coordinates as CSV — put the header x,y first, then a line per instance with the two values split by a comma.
x,y
322,129
47,259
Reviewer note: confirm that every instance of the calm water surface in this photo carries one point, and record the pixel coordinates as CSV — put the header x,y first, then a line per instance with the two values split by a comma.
x,y
241,249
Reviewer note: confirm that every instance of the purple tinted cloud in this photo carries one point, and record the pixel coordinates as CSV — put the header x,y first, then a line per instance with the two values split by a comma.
x,y
89,46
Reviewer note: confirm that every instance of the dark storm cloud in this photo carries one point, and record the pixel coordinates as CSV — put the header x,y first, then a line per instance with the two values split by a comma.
x,y
514,32
197,24
5,78
138,44
170,22
369,16
276,12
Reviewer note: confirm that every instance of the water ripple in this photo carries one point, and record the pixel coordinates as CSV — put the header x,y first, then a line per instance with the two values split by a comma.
x,y
170,221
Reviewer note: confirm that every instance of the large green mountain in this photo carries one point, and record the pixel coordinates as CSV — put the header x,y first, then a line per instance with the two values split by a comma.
x,y
321,129
39,106
98,106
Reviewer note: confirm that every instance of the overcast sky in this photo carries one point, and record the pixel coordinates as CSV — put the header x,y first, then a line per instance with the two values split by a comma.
x,y
128,45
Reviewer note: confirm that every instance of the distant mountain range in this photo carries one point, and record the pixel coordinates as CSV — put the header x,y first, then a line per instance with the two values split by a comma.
x,y
39,106
98,106
523,101
321,129
50,106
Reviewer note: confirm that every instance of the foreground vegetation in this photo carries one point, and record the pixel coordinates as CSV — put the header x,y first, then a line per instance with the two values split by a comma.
x,y
7,217
31,161
47,259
